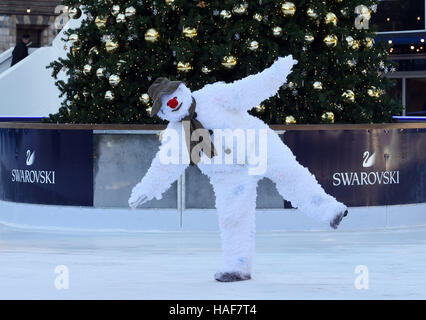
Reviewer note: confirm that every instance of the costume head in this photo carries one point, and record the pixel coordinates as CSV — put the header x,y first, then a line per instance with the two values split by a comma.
x,y
172,99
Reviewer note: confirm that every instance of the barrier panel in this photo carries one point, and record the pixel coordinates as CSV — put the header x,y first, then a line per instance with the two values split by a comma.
x,y
365,167
97,165
46,166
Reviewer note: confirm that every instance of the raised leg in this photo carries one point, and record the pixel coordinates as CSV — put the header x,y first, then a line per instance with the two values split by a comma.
x,y
296,184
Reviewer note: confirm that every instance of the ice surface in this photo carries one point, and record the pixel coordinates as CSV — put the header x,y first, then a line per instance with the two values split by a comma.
x,y
181,265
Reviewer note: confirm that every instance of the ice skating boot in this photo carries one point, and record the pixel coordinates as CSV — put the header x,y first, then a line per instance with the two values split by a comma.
x,y
231,276
337,219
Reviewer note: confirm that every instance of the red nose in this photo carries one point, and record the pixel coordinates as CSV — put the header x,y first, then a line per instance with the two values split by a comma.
x,y
173,103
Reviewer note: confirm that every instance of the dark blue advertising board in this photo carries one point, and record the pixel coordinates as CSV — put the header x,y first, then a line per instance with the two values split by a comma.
x,y
46,166
365,167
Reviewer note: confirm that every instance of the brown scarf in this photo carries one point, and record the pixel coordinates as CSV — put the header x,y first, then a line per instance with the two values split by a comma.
x,y
190,124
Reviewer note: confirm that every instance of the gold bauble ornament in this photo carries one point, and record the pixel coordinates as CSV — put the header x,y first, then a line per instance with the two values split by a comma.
x,y
225,14
144,98
170,2
331,18
350,40
100,72
349,95
74,13
239,9
328,116
75,49
291,85
253,45
120,63
330,40
109,95
356,45
290,120
114,80
152,35
87,68
190,32
93,50
373,92
369,42
73,38
277,31
130,12
351,63
229,62
309,38
120,18
311,13
184,66
205,70
260,108
258,17
317,85
100,22
288,9
115,10
111,45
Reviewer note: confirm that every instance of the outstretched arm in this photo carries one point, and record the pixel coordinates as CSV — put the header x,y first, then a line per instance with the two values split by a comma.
x,y
244,94
165,168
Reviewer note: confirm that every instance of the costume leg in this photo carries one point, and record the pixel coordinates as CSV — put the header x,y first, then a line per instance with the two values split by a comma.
x,y
236,204
296,184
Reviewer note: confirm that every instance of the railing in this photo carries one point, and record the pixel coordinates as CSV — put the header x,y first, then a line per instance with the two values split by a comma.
x,y
157,127
5,60
410,118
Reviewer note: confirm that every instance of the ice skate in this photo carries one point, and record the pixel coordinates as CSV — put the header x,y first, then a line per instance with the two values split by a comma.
x,y
231,276
337,219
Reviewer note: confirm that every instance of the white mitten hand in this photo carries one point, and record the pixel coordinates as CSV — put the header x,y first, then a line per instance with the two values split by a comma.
x,y
138,200
280,70
284,63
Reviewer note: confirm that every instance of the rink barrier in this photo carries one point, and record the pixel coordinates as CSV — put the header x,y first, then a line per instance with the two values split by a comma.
x,y
119,155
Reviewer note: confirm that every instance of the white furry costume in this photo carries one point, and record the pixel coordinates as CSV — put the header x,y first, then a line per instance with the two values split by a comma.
x,y
224,106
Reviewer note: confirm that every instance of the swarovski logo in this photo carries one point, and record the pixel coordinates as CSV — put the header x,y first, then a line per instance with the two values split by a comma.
x,y
366,178
32,176
369,160
30,158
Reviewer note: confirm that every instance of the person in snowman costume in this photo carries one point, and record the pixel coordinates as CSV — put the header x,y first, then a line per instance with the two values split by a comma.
x,y
223,106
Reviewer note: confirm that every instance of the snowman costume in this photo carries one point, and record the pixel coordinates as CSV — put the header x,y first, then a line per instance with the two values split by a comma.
x,y
224,106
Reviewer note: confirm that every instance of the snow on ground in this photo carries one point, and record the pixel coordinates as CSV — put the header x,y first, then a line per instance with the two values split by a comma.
x,y
180,265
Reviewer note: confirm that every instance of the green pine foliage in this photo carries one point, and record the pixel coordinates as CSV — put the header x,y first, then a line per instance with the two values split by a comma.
x,y
246,30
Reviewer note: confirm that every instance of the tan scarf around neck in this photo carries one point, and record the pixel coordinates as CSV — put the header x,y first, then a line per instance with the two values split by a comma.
x,y
195,147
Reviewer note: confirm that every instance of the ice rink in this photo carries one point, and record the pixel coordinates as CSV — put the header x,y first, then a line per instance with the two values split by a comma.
x,y
180,265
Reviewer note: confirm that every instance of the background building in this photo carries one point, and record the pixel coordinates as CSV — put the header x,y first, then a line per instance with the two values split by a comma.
x,y
402,24
35,17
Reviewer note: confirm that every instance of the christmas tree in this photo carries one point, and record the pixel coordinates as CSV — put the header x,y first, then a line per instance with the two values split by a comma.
x,y
122,46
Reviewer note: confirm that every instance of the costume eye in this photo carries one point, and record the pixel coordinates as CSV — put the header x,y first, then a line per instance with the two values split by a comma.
x,y
173,103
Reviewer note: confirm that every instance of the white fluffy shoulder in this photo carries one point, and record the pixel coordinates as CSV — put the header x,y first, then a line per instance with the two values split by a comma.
x,y
166,167
245,94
